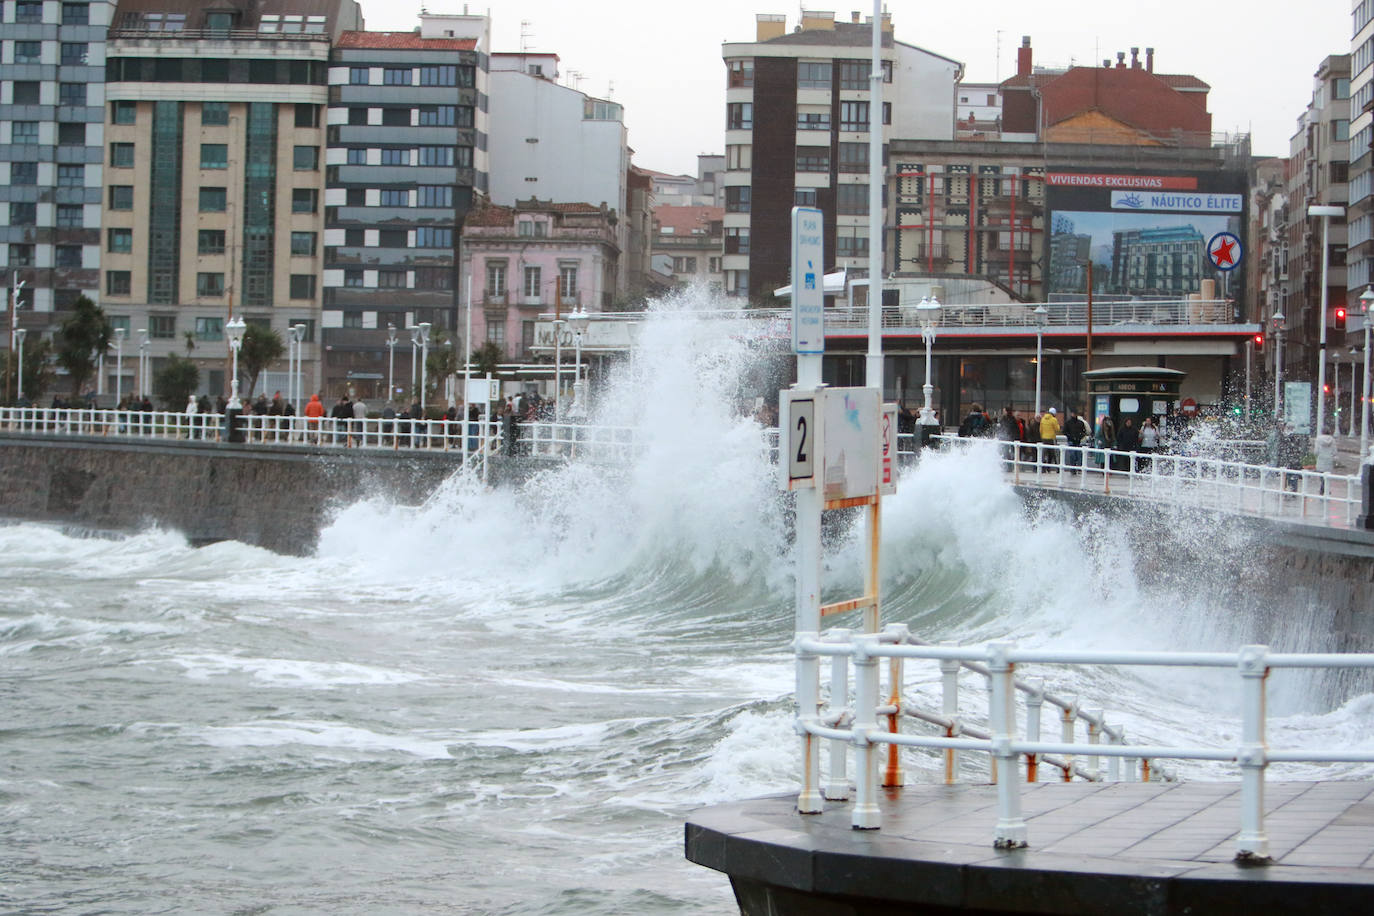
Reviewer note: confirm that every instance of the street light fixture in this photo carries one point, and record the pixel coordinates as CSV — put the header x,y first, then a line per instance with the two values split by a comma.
x,y
235,327
1325,212
1279,327
391,361
579,320
1042,316
928,312
119,365
1366,299
19,335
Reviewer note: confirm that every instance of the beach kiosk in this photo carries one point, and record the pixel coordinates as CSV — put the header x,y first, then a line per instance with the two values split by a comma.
x,y
1133,391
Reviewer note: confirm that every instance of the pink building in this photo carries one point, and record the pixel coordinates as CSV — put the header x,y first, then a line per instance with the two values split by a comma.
x,y
535,258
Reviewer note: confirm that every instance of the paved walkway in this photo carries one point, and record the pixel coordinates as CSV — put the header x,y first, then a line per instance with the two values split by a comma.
x,y
1150,848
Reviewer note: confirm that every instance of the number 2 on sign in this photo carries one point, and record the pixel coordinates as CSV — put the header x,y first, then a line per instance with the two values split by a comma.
x,y
801,452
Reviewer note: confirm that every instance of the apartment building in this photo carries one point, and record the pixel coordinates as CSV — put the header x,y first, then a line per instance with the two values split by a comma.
x,y
687,244
52,105
797,132
1360,216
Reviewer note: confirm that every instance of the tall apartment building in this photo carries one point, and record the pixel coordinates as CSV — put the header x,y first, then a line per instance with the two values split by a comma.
x,y
407,150
214,184
52,103
797,132
1360,216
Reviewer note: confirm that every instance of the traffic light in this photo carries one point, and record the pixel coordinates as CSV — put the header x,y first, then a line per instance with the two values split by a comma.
x,y
1340,318
1326,389
1259,343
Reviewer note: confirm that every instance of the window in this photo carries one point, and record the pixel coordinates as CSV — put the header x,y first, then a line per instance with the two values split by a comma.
x,y
214,156
357,156
305,158
396,76
433,278
209,329
210,241
436,155
851,242
73,13
467,77
851,199
26,93
354,238
525,228
887,112
854,116
739,157
121,197
358,76
214,113
355,197
854,74
853,157
24,132
567,283
353,279
684,265
118,282
433,238
357,117
353,320
391,279
212,200
804,197
209,284
70,216
23,173
393,156
396,117
72,95
439,76
307,115
68,256
393,238
71,135
533,282
1340,129
813,120
74,53
736,239
302,286
713,265
28,52
124,112
438,116
122,155
496,279
71,176
464,157
435,195
395,197
741,74
162,327
739,116
21,255
813,159
465,117
303,244
737,283
31,10
303,200
813,75
496,332
737,199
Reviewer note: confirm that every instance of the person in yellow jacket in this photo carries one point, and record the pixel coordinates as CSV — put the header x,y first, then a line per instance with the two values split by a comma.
x,y
1049,432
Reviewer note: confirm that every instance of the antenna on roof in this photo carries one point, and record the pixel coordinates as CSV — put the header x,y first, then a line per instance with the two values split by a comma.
x,y
526,33
610,89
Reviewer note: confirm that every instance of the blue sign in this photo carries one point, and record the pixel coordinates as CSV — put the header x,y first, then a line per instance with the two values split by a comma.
x,y
808,272
1224,251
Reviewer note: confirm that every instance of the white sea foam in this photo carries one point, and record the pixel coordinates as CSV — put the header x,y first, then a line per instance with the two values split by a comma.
x,y
290,672
326,735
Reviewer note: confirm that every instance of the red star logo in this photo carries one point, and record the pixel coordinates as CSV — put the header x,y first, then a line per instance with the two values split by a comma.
x,y
1224,253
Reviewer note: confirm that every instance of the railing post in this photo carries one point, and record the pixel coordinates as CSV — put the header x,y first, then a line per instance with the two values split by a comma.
x,y
949,689
1035,702
1114,763
866,815
1066,723
1011,826
894,775
808,705
1095,722
1252,843
836,787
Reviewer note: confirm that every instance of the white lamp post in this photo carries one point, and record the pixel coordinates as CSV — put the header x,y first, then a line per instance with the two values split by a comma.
x,y
391,361
929,313
1042,315
423,329
1278,320
414,349
557,364
19,334
142,361
1354,389
16,285
1366,299
1325,212
119,364
298,335
579,320
235,327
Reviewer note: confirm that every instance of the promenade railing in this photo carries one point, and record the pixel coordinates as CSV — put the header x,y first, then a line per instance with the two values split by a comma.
x,y
851,720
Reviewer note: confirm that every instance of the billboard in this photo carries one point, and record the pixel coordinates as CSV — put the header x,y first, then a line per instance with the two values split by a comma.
x,y
1145,234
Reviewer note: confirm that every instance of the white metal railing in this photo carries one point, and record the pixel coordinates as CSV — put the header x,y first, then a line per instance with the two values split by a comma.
x,y
851,719
1228,486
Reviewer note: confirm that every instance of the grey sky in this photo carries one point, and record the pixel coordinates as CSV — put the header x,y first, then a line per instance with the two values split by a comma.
x,y
662,60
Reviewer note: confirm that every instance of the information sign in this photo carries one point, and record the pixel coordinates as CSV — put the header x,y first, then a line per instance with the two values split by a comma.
x,y
808,281
851,443
887,451
799,437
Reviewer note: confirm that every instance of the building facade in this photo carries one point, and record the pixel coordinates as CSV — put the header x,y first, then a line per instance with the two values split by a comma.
x,y
687,244
1360,217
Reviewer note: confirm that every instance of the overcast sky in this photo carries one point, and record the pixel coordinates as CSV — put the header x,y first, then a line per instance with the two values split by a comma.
x,y
662,60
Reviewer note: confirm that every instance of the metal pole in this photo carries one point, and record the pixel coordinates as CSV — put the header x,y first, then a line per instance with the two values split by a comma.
x,y
1252,842
873,367
1321,346
557,366
424,358
467,370
391,362
19,365
1364,393
1039,364
1249,358
808,605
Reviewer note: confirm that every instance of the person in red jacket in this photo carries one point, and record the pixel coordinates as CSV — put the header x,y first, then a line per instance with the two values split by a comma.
x,y
313,411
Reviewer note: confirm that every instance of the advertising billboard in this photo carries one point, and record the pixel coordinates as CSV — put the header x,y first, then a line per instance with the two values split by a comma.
x,y
1145,234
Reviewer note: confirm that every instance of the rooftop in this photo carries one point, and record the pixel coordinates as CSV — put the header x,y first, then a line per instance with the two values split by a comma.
x,y
403,40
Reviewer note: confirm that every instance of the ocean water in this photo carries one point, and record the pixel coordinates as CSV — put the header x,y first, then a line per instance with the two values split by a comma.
x,y
507,701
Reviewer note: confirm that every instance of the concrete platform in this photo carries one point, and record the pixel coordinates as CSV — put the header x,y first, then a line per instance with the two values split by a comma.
x,y
1119,848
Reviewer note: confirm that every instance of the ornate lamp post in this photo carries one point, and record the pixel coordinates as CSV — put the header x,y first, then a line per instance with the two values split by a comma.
x,y
1366,299
579,320
19,334
391,361
1042,315
119,364
928,313
1325,212
557,364
1279,327
235,327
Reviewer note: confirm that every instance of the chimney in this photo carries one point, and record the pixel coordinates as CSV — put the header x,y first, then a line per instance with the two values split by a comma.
x,y
1135,58
1023,57
817,20
1107,63
854,17
769,25
1150,60
1121,60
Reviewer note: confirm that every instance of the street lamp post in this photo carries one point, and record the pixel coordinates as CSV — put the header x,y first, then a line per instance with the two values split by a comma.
x,y
928,313
19,334
423,328
557,364
1354,389
298,335
142,361
414,349
15,286
1366,299
235,327
1278,320
1042,315
391,361
579,320
119,365
1325,212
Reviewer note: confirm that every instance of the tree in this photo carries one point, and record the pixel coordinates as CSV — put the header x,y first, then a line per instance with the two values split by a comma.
x,y
260,348
441,363
486,359
175,382
81,340
38,370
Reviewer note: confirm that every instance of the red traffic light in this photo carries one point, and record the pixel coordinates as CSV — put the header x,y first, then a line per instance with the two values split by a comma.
x,y
1259,343
1340,318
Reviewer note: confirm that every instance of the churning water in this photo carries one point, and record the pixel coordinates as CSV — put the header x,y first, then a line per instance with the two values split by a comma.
x,y
505,702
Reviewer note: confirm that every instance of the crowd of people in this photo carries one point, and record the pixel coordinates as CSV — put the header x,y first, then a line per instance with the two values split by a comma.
x,y
1045,429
